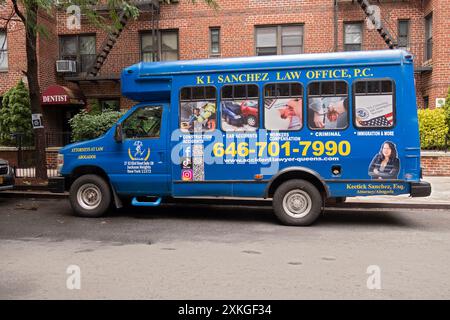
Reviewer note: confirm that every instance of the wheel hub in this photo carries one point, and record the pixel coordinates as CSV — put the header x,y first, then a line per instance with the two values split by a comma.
x,y
297,203
89,196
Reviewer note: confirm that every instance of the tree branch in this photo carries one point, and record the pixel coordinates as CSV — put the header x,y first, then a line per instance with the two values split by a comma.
x,y
18,12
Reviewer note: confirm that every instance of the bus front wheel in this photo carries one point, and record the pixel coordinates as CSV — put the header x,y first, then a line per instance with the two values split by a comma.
x,y
297,203
90,196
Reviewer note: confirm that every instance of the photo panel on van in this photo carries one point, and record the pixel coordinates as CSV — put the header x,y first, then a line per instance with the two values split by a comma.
x,y
328,105
374,104
283,106
239,107
198,109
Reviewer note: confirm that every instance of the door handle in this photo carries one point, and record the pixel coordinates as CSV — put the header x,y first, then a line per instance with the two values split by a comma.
x,y
161,156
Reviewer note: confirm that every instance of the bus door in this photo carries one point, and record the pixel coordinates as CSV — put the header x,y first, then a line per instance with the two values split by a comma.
x,y
144,169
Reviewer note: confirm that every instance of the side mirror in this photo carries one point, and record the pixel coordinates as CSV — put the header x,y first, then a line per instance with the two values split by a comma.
x,y
118,133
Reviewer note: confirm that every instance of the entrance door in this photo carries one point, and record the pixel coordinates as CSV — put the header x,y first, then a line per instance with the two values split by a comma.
x,y
67,114
145,165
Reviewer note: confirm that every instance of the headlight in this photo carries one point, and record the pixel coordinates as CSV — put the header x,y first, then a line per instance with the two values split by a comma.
x,y
59,162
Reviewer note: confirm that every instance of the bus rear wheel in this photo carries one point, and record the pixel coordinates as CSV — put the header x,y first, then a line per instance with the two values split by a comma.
x,y
90,196
297,203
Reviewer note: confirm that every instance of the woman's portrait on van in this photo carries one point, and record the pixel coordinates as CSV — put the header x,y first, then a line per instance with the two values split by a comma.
x,y
385,164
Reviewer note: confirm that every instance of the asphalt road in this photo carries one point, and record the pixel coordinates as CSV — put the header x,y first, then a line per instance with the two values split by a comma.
x,y
218,252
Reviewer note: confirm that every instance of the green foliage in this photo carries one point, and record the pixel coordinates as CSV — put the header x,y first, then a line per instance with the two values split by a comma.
x,y
447,108
433,128
15,116
94,107
86,126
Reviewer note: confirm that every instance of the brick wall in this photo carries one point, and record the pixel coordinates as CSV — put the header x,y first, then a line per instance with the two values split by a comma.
x,y
16,49
237,20
439,78
435,163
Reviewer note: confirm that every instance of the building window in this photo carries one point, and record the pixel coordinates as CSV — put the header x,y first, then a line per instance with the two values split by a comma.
x,y
353,36
165,49
198,109
3,51
328,105
373,104
273,40
403,34
239,107
426,102
214,35
110,104
80,48
429,36
283,106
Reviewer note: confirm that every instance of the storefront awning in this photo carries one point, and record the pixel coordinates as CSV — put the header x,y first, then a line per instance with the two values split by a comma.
x,y
56,94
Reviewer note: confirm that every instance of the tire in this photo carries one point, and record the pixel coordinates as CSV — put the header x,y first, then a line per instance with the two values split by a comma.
x,y
90,196
251,121
307,206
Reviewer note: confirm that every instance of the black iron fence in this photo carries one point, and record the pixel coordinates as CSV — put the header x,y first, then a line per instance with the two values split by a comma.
x,y
26,158
57,139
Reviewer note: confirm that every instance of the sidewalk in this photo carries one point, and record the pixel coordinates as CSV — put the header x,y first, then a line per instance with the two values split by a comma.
x,y
439,198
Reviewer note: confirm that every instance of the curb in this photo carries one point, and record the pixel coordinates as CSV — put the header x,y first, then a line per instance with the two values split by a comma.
x,y
33,194
243,202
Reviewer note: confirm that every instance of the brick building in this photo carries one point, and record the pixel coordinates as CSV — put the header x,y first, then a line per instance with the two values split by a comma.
x,y
183,30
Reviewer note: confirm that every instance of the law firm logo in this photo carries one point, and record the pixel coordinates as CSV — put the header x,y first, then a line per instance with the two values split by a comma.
x,y
139,153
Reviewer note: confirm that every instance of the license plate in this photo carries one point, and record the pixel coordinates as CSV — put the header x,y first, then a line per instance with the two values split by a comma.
x,y
1,180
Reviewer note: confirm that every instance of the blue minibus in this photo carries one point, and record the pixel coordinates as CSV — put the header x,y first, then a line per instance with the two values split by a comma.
x,y
297,129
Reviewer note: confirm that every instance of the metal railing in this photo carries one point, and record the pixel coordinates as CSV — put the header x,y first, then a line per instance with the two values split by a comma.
x,y
57,139
26,161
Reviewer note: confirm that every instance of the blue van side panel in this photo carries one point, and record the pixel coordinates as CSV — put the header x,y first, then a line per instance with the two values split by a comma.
x,y
354,167
220,189
227,175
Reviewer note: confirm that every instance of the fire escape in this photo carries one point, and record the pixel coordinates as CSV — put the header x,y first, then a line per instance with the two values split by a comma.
x,y
378,23
385,30
147,8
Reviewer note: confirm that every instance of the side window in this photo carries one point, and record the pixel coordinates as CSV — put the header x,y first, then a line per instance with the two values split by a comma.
x,y
143,123
373,104
239,107
328,105
198,109
283,106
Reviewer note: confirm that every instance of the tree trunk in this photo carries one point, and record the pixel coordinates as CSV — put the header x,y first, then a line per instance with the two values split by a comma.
x,y
33,85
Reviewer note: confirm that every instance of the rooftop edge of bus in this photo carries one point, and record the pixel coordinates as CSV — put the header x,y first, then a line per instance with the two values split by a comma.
x,y
307,60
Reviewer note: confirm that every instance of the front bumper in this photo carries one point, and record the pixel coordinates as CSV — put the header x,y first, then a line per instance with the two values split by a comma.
x,y
7,182
57,184
420,189
9,187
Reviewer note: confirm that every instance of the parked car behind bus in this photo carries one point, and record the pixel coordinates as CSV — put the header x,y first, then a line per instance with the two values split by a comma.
x,y
6,175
